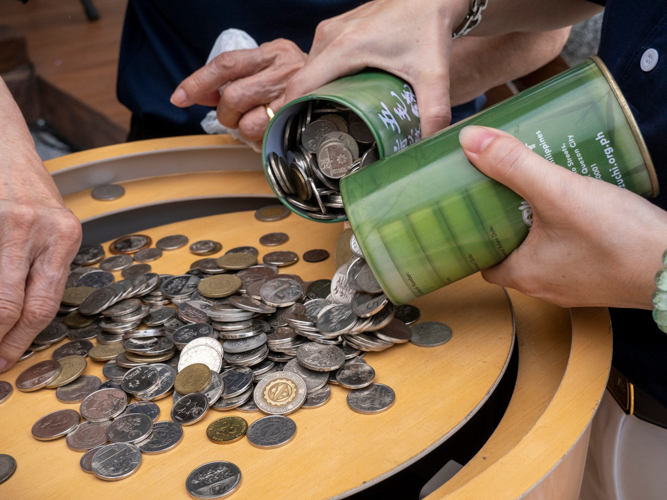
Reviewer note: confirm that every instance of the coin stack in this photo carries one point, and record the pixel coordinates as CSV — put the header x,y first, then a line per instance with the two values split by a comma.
x,y
322,145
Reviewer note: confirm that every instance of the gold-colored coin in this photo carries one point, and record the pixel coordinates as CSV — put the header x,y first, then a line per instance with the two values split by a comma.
x,y
218,286
75,295
72,368
343,252
280,392
237,261
227,430
138,358
106,352
193,378
78,320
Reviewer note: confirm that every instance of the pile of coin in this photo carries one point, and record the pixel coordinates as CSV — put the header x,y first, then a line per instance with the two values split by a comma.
x,y
322,145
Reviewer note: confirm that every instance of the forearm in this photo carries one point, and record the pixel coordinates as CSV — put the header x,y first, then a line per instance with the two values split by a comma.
x,y
479,64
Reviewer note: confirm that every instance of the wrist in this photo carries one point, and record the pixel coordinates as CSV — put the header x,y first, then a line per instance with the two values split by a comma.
x,y
453,13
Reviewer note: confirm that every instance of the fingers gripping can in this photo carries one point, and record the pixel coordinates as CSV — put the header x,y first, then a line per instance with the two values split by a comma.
x,y
426,217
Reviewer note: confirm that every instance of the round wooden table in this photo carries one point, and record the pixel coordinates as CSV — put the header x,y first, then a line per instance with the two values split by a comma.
x,y
208,188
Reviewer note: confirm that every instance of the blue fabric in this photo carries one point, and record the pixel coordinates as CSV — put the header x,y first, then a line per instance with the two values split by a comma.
x,y
629,28
164,41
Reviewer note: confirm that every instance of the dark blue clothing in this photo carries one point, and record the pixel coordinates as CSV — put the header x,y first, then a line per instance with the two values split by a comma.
x,y
630,27
164,41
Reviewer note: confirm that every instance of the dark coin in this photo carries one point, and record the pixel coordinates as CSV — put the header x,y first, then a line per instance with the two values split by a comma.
x,y
407,314
89,254
8,467
76,348
98,279
316,255
108,192
281,258
319,289
274,239
55,332
116,262
135,270
248,250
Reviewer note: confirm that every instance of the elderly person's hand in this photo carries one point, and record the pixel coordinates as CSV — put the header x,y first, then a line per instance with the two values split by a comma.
x,y
252,78
38,240
591,243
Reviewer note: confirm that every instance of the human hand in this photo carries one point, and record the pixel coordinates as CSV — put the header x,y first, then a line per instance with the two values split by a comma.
x,y
591,242
251,78
411,40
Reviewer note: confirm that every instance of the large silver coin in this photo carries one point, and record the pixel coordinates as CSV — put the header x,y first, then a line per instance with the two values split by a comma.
x,y
321,358
249,304
172,242
355,375
366,305
75,348
207,341
236,380
244,345
148,255
271,432
80,389
55,332
108,192
130,428
280,393
314,380
88,435
313,133
190,332
318,398
7,467
179,286
97,280
6,390
55,425
89,254
165,437
140,379
116,263
144,408
336,319
375,398
165,383
190,409
430,334
159,316
97,301
281,292
116,461
213,480
113,371
341,292
85,333
103,405
200,354
86,461
38,375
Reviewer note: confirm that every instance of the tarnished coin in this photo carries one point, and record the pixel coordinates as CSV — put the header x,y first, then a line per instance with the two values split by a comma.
x,y
237,380
366,305
76,348
85,333
106,352
318,398
272,213
193,378
135,270
205,247
281,292
89,255
177,286
222,285
86,461
53,333
140,379
315,131
273,239
272,431
314,380
375,398
55,425
108,192
88,435
76,320
80,389
159,317
213,480
103,405
148,255
130,428
280,393
116,262
355,375
227,430
71,368
208,266
430,334
396,332
75,295
96,280
110,384
319,289
166,436
236,261
144,408
319,357
38,375
130,244
6,390
116,461
280,258
190,409
172,242
408,314
316,255
8,467
97,301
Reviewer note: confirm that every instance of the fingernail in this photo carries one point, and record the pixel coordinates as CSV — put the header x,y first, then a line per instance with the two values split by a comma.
x,y
179,98
476,139
3,365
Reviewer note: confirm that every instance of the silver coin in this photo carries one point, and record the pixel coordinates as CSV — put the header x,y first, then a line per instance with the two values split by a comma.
x,y
98,279
159,316
55,425
200,354
246,303
87,435
314,380
86,461
86,333
365,280
366,305
341,291
189,409
248,250
430,334
355,375
179,286
108,192
314,133
207,341
97,301
354,246
244,345
140,345
248,407
116,262
103,405
375,398
273,239
395,332
172,242
135,270
38,375
236,381
75,348
249,358
6,390
80,389
145,408
272,431
318,398
334,159
280,258
336,319
281,292
114,371
188,333
110,384
130,428
166,436
165,383
7,467
89,254
280,393
140,379
381,319
116,461
147,255
194,311
344,138
321,358
205,247
213,480
53,333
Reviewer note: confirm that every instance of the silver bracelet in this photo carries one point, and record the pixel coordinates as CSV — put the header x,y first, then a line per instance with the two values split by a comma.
x,y
472,19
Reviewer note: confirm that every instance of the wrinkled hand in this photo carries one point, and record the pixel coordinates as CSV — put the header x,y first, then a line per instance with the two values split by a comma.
x,y
591,243
412,40
251,78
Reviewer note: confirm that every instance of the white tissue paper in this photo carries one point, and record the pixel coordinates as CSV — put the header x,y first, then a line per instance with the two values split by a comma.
x,y
231,39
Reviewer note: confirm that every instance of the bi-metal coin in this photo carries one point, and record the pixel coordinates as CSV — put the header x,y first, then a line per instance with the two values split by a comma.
x,y
280,393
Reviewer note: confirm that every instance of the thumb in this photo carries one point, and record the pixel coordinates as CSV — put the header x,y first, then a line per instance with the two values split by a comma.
x,y
507,160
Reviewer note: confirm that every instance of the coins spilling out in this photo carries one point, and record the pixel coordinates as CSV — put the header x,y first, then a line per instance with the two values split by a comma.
x,y
322,145
232,334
